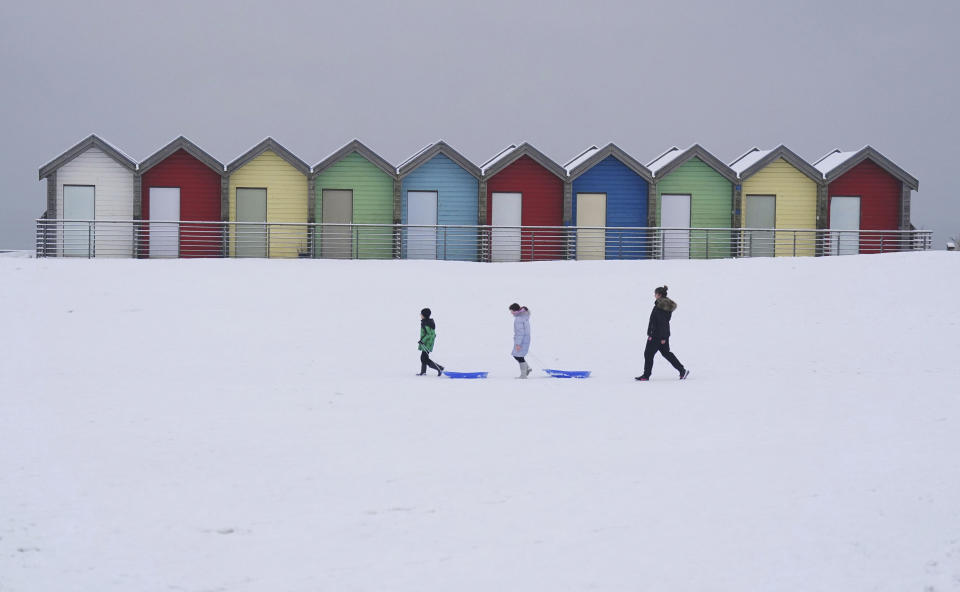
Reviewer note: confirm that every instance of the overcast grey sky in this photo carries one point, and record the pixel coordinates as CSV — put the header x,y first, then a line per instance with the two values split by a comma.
x,y
729,75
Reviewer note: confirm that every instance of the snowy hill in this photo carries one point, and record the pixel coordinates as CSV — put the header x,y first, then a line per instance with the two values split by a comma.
x,y
257,425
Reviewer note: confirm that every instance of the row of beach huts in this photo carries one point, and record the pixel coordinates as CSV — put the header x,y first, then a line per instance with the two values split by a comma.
x,y
688,188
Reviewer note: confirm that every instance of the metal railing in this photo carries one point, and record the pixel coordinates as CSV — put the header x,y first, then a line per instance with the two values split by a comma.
x,y
188,239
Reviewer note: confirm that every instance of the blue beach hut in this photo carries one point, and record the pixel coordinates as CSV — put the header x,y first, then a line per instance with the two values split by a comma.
x,y
606,187
439,186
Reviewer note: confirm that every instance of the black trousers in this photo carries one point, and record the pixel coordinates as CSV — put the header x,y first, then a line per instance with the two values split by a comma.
x,y
426,361
520,359
654,346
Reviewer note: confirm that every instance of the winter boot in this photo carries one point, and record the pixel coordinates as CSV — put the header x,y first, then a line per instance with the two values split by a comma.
x,y
439,370
684,374
524,370
642,378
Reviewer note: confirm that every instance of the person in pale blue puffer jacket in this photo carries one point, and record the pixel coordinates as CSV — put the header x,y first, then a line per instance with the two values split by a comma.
x,y
521,337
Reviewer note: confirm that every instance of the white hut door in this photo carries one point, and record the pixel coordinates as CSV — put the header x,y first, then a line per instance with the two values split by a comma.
x,y
507,211
591,218
78,204
761,213
675,215
422,209
844,215
164,217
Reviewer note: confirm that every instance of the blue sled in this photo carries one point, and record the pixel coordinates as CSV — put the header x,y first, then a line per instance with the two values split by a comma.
x,y
567,373
451,374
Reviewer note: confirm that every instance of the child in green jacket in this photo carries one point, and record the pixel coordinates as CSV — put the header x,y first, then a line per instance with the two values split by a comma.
x,y
428,334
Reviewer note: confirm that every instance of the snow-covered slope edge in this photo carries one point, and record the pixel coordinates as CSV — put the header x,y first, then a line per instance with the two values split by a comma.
x,y
256,425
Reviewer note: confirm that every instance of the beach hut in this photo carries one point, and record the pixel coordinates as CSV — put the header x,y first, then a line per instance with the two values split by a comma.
x,y
778,189
864,191
180,183
606,187
520,186
93,180
268,184
692,189
352,186
439,186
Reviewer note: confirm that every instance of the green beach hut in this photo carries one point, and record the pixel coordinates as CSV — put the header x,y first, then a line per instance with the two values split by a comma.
x,y
354,186
692,189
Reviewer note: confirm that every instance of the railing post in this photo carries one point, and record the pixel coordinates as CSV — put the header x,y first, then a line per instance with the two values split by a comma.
x,y
706,238
267,226
89,240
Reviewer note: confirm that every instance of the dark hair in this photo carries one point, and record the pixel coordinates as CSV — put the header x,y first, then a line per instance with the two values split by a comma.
x,y
514,306
425,312
662,290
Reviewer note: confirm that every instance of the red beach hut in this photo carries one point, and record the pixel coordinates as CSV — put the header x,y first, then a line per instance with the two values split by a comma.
x,y
522,187
865,192
180,182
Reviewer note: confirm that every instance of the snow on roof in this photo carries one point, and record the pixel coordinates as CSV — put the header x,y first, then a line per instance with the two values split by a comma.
x,y
833,160
499,156
414,157
748,159
580,159
112,145
181,136
233,160
664,159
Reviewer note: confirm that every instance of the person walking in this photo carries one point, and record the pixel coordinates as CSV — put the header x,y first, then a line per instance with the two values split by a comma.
x,y
658,335
521,337
428,335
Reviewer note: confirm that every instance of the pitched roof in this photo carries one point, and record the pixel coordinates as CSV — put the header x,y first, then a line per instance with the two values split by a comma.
x,y
358,147
580,158
755,160
511,153
747,159
431,150
91,141
587,159
273,146
181,143
674,157
835,163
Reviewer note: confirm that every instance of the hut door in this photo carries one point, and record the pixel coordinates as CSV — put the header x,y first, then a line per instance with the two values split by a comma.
x,y
78,204
675,215
422,209
591,218
761,213
252,207
164,216
507,211
336,242
844,215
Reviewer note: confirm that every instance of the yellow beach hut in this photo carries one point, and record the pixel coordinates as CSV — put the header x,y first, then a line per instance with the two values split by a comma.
x,y
267,197
777,190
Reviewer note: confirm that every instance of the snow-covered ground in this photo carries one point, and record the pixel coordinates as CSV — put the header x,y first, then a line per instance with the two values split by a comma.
x,y
257,426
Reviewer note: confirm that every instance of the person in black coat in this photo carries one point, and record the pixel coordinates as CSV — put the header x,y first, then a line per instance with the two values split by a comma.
x,y
658,335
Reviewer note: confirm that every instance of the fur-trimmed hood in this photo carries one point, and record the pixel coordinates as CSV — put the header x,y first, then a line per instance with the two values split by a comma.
x,y
665,304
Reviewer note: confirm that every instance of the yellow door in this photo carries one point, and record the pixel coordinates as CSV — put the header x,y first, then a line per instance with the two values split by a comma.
x,y
591,218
